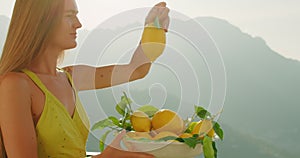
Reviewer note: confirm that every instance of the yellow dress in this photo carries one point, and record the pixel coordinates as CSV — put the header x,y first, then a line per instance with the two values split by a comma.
x,y
58,134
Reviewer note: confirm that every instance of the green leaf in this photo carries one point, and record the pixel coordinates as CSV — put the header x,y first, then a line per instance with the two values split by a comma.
x,y
102,124
190,127
168,138
120,108
115,121
148,109
127,126
215,149
125,100
208,148
191,141
198,108
127,117
218,130
102,140
201,112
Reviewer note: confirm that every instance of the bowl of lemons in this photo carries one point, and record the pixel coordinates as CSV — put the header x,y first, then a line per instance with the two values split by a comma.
x,y
159,135
162,132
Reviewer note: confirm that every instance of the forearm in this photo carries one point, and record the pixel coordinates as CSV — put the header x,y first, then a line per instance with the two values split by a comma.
x,y
139,58
141,62
112,75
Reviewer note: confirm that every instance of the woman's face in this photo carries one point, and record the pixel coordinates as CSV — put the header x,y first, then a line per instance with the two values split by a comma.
x,y
65,34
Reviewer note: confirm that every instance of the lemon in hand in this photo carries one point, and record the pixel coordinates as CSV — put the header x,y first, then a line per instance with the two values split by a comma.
x,y
167,120
140,121
153,42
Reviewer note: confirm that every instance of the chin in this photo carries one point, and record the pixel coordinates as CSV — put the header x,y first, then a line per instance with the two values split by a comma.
x,y
71,46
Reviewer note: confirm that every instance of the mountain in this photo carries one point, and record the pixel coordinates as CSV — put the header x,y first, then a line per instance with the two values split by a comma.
x,y
263,87
239,144
4,23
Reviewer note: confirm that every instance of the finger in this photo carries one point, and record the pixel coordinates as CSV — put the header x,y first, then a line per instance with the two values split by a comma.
x,y
164,13
165,19
155,11
161,4
161,7
151,15
166,24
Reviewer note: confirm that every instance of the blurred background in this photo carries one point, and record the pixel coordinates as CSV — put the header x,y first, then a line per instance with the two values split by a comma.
x,y
239,56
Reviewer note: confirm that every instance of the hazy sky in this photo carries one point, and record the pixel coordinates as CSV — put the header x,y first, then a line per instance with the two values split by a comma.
x,y
276,21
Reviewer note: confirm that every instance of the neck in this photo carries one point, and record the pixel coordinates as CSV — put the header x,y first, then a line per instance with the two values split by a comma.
x,y
46,63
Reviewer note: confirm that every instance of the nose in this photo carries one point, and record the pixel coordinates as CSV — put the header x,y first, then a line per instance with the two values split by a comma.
x,y
77,24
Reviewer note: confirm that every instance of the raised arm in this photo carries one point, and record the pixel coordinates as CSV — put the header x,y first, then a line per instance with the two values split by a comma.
x,y
88,77
16,121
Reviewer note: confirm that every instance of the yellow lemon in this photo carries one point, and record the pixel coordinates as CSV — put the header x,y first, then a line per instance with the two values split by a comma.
x,y
167,120
164,134
185,135
153,42
138,135
140,121
204,127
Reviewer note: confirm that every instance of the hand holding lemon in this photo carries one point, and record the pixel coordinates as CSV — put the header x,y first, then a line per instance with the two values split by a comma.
x,y
156,24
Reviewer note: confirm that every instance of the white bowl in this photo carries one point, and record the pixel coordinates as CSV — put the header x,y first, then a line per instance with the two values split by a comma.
x,y
163,149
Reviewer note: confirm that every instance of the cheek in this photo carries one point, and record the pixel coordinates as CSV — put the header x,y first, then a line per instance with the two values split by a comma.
x,y
65,25
64,30
68,23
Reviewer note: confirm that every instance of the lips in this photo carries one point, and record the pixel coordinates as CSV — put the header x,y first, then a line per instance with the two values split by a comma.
x,y
73,35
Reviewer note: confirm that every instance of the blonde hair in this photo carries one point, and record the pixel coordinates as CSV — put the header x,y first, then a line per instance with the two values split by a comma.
x,y
32,25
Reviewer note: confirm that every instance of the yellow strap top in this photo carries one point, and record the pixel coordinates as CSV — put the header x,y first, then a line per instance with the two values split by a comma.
x,y
58,134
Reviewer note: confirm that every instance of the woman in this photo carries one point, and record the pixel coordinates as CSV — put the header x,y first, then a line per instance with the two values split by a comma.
x,y
40,112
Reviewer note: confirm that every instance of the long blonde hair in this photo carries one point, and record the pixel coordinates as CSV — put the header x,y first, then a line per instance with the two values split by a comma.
x,y
32,25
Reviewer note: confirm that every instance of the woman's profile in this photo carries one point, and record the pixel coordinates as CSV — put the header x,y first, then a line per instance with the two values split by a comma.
x,y
40,111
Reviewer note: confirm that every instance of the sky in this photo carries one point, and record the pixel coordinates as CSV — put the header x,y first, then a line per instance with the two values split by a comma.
x,y
276,21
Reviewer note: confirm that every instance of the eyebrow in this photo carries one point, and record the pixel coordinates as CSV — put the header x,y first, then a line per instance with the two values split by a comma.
x,y
72,11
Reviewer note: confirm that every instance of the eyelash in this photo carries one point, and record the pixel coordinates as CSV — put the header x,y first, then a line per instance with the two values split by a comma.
x,y
70,16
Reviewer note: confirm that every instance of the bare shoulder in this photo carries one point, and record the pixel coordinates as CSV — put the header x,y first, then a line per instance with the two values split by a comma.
x,y
16,118
15,95
14,85
14,79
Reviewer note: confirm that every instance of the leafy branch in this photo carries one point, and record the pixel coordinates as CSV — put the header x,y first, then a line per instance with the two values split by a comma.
x,y
209,145
113,123
125,110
